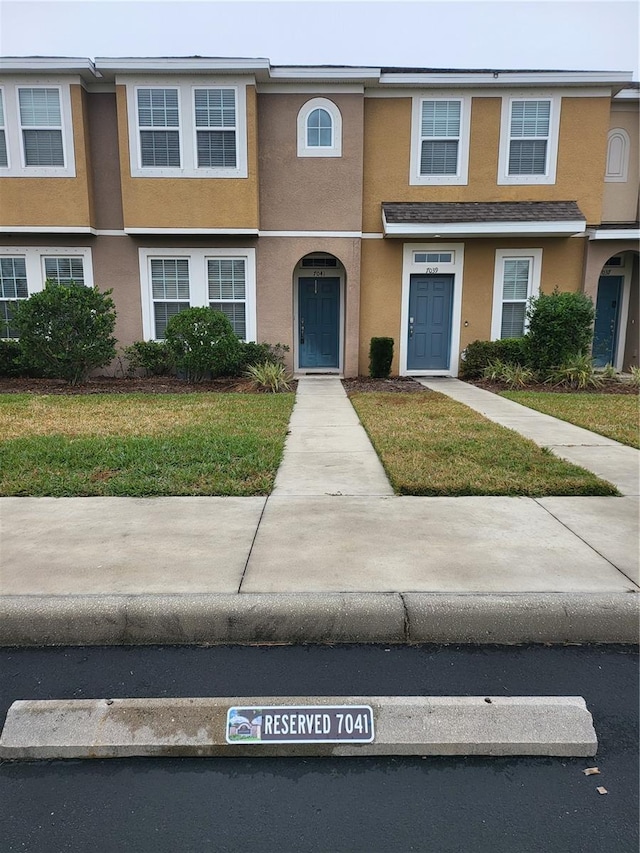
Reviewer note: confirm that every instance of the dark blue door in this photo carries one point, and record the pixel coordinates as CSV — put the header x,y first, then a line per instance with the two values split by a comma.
x,y
318,321
430,309
605,330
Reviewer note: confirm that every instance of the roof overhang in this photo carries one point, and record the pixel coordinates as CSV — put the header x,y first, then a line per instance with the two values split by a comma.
x,y
615,234
50,65
485,219
188,232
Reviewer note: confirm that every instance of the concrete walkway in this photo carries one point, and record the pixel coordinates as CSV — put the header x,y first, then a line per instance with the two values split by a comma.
x,y
332,555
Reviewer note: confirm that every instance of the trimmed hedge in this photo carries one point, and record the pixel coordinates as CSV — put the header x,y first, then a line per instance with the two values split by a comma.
x,y
380,357
479,354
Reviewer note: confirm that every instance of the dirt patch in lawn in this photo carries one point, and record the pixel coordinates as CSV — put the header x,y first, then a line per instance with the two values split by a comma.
x,y
611,387
398,384
140,385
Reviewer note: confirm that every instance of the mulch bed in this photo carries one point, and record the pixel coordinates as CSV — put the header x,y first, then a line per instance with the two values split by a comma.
x,y
397,384
113,385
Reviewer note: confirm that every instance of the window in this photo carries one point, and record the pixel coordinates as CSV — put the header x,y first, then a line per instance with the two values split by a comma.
x,y
188,129
517,278
319,129
617,156
433,257
4,159
440,140
227,289
23,271
41,124
13,285
529,140
36,130
439,137
173,281
158,109
215,109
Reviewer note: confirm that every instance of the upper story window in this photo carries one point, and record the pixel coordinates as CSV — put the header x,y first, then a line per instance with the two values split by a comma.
x,y
188,129
4,160
319,129
618,144
440,140
36,133
23,271
529,140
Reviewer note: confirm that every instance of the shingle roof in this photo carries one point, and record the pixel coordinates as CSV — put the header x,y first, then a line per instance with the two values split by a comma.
x,y
481,211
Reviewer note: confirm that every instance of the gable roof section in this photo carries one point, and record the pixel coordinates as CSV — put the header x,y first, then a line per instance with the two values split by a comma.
x,y
482,219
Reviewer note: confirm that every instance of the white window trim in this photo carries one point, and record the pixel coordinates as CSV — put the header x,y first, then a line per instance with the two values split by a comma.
x,y
198,282
409,268
622,175
335,149
549,177
533,287
140,129
5,170
16,167
187,127
461,178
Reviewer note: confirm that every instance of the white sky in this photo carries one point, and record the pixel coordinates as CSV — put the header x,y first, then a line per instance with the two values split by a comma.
x,y
567,34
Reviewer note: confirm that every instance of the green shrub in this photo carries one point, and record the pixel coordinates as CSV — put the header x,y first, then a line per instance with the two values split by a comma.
x,y
11,358
634,370
576,372
560,328
151,357
252,354
513,375
269,376
380,357
66,330
480,354
202,344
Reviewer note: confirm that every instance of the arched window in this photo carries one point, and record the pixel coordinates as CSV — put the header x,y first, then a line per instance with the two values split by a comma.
x,y
617,155
319,129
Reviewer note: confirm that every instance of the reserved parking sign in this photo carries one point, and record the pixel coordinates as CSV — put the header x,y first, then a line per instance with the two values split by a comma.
x,y
300,724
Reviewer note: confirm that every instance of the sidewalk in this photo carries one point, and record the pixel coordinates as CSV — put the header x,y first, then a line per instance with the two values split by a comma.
x,y
332,555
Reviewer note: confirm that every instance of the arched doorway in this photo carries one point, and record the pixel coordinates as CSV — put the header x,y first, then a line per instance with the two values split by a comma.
x,y
612,311
318,290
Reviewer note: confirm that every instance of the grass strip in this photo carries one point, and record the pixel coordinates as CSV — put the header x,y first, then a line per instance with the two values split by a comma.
x,y
613,415
138,445
432,445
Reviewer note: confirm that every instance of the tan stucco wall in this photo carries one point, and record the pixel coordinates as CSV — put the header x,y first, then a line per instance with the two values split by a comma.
x,y
632,341
381,292
387,146
620,201
308,193
189,202
105,166
277,258
56,202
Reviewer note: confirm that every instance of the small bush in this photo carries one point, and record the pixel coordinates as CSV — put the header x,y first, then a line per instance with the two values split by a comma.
x,y
151,357
560,328
634,370
380,357
11,359
576,372
609,372
252,354
66,330
269,376
513,375
202,344
480,354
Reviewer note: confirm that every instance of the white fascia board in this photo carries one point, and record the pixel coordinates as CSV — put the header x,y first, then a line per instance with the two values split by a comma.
x,y
172,65
616,234
485,229
192,231
46,65
310,88
311,234
47,229
627,95
317,73
509,78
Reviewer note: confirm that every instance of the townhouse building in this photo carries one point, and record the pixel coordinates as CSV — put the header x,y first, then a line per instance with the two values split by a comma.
x,y
321,206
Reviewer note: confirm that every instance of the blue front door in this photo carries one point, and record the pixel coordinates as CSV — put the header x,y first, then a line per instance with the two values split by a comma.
x,y
605,330
430,311
318,322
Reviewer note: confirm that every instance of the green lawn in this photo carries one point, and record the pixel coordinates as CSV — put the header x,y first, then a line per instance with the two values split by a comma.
x,y
613,415
432,445
141,444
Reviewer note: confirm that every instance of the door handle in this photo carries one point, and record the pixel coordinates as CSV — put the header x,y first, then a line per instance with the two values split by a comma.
x,y
302,330
410,331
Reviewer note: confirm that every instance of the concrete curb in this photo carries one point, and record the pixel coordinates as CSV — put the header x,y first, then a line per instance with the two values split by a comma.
x,y
216,619
388,725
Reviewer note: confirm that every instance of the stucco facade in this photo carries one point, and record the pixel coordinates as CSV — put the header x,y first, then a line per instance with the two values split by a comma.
x,y
321,207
